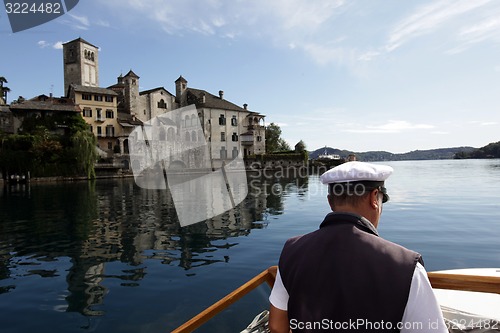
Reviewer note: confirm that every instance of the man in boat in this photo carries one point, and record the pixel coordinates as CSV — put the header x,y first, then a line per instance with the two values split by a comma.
x,y
344,276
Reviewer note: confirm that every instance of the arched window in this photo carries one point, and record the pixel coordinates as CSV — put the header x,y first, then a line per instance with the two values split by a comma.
x,y
194,121
162,135
193,136
170,134
125,146
162,104
188,137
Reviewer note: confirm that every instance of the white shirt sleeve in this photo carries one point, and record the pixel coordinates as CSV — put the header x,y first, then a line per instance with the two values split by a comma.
x,y
279,295
422,312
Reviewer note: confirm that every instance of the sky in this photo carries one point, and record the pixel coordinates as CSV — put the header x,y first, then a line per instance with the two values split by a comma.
x,y
358,75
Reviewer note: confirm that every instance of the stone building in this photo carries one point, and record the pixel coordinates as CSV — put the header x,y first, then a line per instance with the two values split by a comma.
x,y
99,109
144,105
6,120
41,106
228,129
81,64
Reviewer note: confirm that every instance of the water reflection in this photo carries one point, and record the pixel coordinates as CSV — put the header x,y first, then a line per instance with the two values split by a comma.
x,y
74,230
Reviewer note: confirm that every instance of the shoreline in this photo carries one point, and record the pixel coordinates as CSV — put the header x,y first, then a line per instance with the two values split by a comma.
x,y
60,179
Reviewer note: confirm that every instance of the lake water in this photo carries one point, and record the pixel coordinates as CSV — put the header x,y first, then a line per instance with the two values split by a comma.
x,y
108,256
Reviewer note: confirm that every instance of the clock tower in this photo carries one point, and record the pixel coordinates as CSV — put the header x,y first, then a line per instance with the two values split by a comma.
x,y
81,64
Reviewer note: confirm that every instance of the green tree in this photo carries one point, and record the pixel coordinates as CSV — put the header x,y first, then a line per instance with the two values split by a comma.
x,y
3,90
274,141
44,153
84,143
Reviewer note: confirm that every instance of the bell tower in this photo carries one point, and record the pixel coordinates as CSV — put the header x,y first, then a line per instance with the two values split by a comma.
x,y
81,64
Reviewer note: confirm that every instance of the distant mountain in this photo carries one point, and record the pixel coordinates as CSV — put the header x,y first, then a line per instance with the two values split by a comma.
x,y
491,150
372,156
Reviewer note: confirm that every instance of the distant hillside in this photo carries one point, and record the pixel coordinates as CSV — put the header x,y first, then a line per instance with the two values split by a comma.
x,y
372,156
491,150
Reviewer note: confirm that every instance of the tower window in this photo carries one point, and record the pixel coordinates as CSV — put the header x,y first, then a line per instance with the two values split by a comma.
x,y
162,104
222,120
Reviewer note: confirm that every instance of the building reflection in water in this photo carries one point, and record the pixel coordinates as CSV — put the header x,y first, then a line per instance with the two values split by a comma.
x,y
107,221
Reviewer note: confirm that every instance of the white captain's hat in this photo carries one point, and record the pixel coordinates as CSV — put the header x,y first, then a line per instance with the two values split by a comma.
x,y
372,176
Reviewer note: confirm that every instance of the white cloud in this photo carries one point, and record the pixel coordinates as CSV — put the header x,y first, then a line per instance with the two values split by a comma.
x,y
318,28
77,22
276,19
429,18
393,126
43,44
325,54
369,55
483,123
103,23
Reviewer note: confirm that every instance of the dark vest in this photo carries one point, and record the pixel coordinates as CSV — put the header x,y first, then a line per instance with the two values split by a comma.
x,y
344,273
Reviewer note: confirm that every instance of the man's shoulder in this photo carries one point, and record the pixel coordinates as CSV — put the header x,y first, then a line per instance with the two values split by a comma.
x,y
395,250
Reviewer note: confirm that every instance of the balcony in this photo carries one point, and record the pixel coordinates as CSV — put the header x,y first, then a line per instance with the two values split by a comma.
x,y
246,139
100,119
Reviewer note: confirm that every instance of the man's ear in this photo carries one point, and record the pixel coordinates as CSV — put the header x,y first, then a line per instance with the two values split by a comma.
x,y
374,202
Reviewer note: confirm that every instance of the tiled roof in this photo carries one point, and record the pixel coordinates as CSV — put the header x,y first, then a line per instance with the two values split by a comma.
x,y
79,39
131,74
127,118
47,105
145,92
117,86
195,96
181,79
93,90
